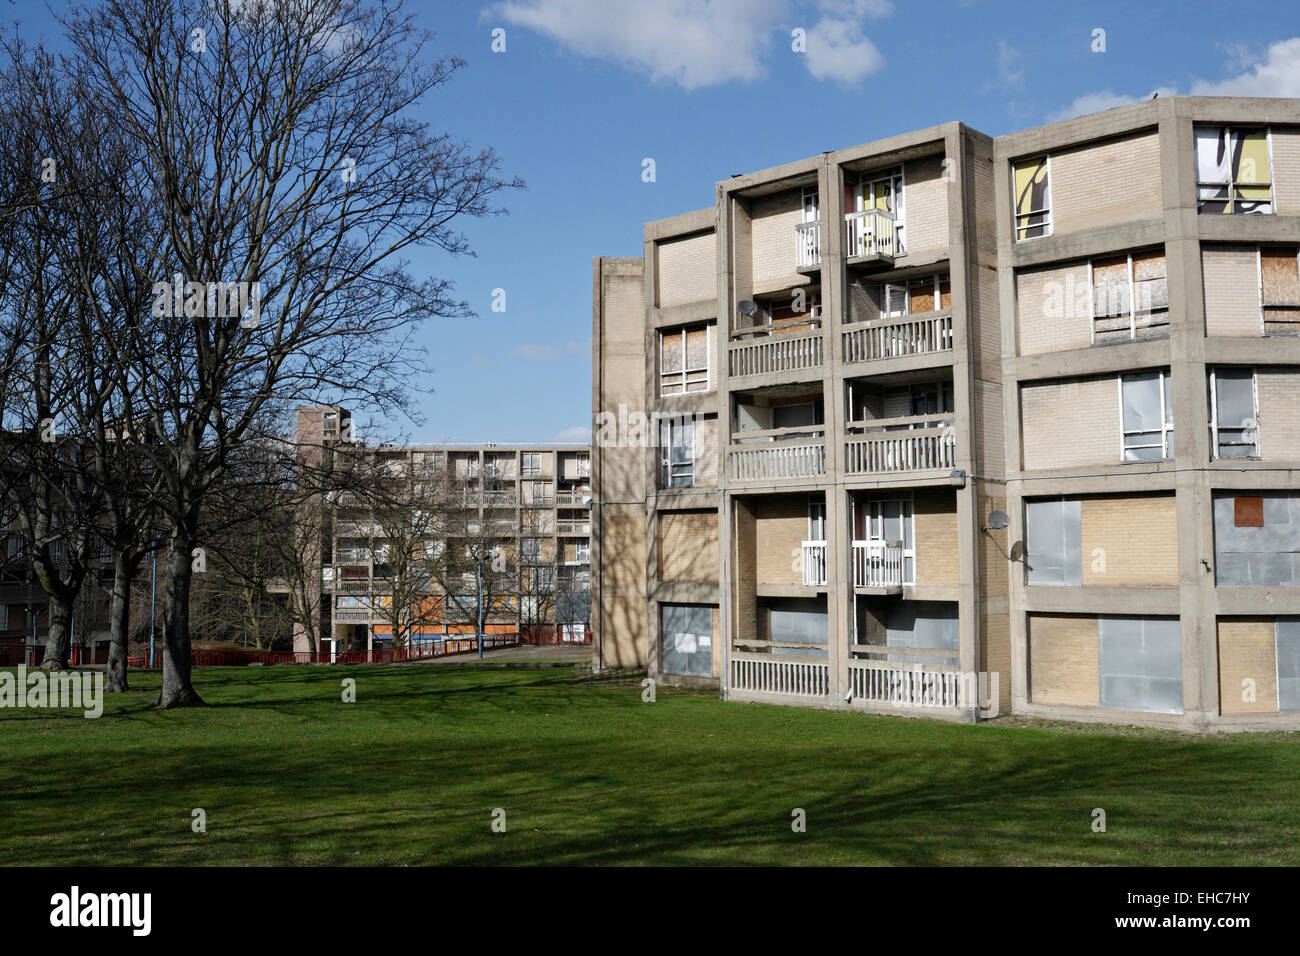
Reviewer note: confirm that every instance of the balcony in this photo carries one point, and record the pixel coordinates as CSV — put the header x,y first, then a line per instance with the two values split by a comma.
x,y
776,453
567,499
499,499
905,685
808,246
813,560
352,616
573,527
786,676
775,353
892,445
898,336
878,565
352,557
871,236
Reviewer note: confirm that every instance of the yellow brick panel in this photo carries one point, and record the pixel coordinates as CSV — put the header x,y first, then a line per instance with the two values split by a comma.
x,y
935,513
1247,651
1070,423
781,527
1279,425
775,218
1231,278
1107,183
925,201
688,546
688,269
1063,660
1129,541
1286,171
1052,309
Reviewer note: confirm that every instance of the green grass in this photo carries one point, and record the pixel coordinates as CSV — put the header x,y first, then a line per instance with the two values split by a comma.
x,y
588,774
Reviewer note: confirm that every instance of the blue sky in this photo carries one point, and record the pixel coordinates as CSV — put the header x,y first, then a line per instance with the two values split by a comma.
x,y
587,89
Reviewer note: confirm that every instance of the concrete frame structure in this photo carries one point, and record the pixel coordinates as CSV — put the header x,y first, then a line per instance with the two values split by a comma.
x,y
1124,180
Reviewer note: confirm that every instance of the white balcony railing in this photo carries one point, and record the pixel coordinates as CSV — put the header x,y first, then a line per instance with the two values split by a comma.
x,y
871,234
896,336
916,443
813,560
352,557
808,245
767,674
777,353
573,527
905,685
764,462
877,564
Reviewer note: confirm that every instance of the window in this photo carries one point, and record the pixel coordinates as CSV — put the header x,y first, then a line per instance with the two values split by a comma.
x,y
1287,636
926,294
1234,431
15,546
1279,286
582,554
330,423
684,360
1146,403
543,578
1130,293
810,213
882,191
677,452
894,520
1054,543
530,548
530,463
1257,539
816,520
687,639
1140,664
4,617
1033,198
1233,173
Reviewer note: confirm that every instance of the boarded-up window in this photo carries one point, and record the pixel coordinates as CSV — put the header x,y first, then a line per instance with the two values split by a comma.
x,y
1032,199
1140,664
684,361
1130,297
1248,512
1232,170
1287,647
1236,434
1279,277
1054,542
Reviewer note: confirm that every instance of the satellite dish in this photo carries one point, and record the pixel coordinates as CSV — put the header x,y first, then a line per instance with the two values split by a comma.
x,y
997,520
747,307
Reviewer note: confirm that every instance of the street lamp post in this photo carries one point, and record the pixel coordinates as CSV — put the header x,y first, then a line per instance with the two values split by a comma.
x,y
480,607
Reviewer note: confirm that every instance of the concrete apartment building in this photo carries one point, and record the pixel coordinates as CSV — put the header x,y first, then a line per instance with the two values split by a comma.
x,y
910,412
533,499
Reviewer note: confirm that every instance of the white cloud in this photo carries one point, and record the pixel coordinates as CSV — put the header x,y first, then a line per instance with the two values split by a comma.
x,y
692,44
838,49
1011,70
1277,73
552,352
698,43
574,435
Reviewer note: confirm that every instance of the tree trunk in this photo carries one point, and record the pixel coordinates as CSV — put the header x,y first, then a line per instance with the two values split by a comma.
x,y
119,623
58,641
177,690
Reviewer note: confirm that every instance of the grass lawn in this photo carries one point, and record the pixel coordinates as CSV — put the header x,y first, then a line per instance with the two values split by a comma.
x,y
588,774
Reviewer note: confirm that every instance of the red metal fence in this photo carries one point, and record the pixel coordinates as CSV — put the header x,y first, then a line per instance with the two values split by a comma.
x,y
17,652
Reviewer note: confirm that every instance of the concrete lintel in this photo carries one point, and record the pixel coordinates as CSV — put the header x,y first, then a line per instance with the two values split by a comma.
x,y
700,220
1101,601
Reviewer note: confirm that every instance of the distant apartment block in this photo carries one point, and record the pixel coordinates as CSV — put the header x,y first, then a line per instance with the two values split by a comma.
x,y
944,406
532,499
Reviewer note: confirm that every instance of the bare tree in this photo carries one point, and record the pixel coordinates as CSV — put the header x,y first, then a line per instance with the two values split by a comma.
x,y
291,177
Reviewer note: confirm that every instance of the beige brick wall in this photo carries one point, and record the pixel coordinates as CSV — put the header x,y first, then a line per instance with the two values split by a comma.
x,y
745,569
622,475
1230,275
1129,541
707,456
1113,182
936,537
990,428
986,320
993,552
687,546
925,205
1286,171
1070,423
773,229
995,656
781,527
624,618
687,269
1279,424
1052,309
1063,660
1247,650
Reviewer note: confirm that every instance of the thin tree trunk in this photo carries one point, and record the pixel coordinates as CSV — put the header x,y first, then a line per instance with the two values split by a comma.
x,y
119,623
58,641
177,689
